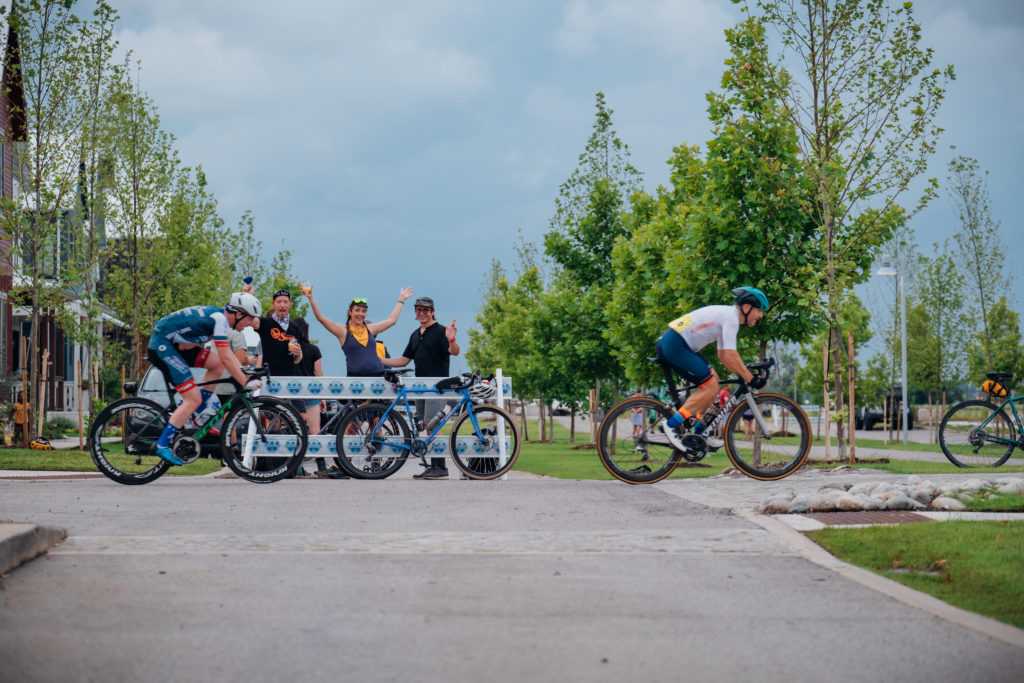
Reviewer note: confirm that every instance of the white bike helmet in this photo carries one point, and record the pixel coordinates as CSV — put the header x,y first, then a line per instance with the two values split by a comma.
x,y
484,390
244,303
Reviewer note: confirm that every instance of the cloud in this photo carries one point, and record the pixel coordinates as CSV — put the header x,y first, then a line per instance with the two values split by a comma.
x,y
677,28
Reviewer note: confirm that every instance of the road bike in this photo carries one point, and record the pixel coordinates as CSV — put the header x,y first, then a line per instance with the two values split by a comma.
x,y
123,437
775,443
980,432
376,439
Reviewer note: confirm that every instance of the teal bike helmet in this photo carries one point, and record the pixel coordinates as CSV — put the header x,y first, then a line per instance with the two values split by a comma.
x,y
751,295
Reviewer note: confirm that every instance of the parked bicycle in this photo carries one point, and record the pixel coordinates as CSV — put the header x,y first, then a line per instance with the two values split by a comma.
x,y
776,445
376,439
122,438
979,432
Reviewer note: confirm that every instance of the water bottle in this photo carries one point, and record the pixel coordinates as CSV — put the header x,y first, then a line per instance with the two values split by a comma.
x,y
437,418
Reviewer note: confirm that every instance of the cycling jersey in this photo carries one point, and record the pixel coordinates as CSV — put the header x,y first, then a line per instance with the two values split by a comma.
x,y
719,324
193,325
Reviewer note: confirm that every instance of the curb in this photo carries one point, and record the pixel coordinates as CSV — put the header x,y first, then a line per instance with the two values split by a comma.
x,y
20,543
811,551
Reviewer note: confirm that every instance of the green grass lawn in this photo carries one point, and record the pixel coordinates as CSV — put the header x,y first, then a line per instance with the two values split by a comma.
x,y
974,565
997,502
560,460
79,461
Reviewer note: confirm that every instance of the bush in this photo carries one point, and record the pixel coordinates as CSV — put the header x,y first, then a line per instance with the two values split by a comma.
x,y
57,427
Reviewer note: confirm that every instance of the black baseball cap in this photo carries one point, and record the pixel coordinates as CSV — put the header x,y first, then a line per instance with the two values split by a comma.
x,y
425,302
281,292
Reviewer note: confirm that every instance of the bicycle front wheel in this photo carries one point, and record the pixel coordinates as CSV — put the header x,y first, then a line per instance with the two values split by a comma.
x,y
265,444
370,447
476,447
976,434
644,458
773,443
122,441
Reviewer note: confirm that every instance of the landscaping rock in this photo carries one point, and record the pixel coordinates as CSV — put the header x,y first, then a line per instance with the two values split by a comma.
x,y
823,502
863,489
849,502
836,486
872,503
924,494
800,504
944,503
776,506
1013,487
974,485
901,502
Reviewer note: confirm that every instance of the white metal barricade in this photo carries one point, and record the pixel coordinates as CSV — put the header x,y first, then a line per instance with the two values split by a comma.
x,y
365,388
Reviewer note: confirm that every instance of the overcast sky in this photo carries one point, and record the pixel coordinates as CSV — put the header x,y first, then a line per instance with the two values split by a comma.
x,y
405,143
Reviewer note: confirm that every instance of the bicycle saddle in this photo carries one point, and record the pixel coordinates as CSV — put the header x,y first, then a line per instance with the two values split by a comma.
x,y
1004,378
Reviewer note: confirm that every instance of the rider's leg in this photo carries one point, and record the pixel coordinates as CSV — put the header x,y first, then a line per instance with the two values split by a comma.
x,y
180,374
702,398
674,351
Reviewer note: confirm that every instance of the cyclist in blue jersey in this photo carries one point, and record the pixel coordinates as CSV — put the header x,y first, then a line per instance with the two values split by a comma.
x,y
679,347
182,334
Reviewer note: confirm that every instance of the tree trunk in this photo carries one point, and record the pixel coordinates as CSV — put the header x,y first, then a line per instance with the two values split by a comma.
x,y
525,422
543,422
551,424
825,417
572,425
851,378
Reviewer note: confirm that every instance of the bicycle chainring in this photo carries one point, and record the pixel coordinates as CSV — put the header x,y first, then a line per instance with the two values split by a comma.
x,y
187,448
696,447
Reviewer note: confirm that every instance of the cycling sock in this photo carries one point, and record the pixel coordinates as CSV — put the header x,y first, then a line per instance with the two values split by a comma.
x,y
698,426
166,436
679,417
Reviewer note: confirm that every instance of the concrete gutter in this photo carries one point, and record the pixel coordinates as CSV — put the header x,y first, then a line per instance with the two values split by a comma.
x,y
20,543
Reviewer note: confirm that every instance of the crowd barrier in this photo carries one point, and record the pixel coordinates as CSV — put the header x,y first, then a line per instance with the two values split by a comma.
x,y
364,388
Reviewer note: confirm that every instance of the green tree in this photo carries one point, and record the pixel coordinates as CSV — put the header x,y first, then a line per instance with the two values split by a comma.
x,y
49,58
589,218
753,227
864,100
648,293
980,249
1006,349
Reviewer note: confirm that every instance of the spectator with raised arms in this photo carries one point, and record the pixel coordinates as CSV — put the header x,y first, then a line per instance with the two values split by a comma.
x,y
357,337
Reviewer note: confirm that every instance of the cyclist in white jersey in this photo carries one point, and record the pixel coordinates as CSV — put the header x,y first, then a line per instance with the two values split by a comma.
x,y
679,347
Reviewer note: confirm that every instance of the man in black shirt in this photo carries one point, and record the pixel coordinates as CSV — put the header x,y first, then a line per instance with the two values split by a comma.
x,y
431,348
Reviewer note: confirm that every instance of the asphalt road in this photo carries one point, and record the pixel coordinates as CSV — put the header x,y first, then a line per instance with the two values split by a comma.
x,y
521,580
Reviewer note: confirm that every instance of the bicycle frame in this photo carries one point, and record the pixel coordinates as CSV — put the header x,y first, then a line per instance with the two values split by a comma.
x,y
402,400
1018,420
744,393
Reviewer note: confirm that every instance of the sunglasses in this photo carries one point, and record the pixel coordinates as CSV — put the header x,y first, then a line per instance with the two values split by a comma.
x,y
359,302
423,308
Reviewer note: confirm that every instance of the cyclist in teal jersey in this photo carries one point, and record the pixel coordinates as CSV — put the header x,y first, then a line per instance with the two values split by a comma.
x,y
184,332
680,345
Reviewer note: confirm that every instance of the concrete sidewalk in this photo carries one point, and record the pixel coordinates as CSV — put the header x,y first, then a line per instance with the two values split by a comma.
x,y
526,579
20,543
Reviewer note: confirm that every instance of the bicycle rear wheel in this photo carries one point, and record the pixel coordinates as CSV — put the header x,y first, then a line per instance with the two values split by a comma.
x,y
966,443
122,441
475,449
370,447
279,440
645,459
774,446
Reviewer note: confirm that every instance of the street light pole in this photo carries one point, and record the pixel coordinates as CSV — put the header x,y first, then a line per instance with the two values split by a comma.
x,y
891,271
903,355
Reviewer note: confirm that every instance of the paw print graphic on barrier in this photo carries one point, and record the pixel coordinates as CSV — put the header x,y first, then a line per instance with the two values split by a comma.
x,y
419,385
332,446
353,446
274,387
314,446
290,445
315,387
506,389
356,388
461,447
479,446
294,387
335,388
272,446
438,447
377,388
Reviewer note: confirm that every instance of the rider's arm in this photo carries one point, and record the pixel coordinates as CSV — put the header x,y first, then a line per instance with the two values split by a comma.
x,y
399,362
339,331
230,361
378,327
731,359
